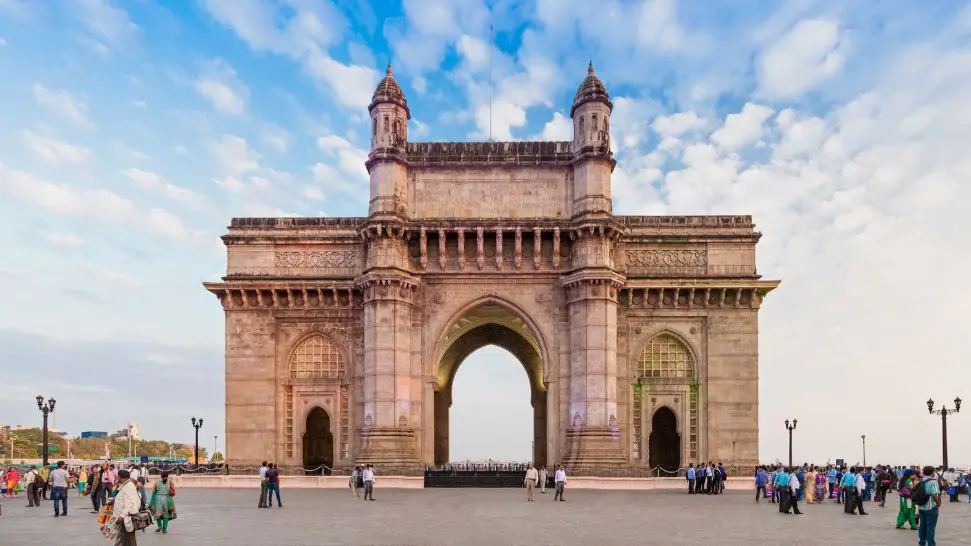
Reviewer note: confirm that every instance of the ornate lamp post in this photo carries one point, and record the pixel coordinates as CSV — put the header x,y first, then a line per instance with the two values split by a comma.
x,y
863,437
46,409
197,424
790,428
943,412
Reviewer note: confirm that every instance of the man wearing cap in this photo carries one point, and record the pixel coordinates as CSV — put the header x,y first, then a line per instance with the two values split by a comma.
x,y
126,504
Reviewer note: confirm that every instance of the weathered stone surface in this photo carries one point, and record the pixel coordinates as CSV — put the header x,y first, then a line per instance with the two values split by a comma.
x,y
639,333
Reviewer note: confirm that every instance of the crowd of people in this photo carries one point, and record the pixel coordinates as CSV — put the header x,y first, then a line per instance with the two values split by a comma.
x,y
919,491
118,495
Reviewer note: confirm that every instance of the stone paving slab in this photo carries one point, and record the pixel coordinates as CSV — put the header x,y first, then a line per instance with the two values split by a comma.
x,y
486,517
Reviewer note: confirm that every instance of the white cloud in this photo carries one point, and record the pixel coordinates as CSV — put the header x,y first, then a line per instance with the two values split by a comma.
x,y
744,128
65,239
63,104
559,127
2,42
108,22
811,53
56,151
276,138
151,181
304,31
678,124
220,84
350,158
234,156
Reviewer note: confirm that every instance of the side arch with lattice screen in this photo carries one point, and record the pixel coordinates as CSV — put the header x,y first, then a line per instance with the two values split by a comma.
x,y
317,357
665,357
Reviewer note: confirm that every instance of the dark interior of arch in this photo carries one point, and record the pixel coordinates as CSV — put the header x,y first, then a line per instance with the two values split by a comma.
x,y
318,443
528,356
664,443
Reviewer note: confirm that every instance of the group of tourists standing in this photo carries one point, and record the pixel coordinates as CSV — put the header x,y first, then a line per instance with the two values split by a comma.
x,y
539,477
919,491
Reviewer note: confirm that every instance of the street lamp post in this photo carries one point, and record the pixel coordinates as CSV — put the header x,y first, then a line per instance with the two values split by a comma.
x,y
863,437
45,408
215,444
197,424
790,428
943,412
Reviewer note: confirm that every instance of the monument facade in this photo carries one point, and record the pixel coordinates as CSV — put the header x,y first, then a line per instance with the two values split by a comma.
x,y
639,334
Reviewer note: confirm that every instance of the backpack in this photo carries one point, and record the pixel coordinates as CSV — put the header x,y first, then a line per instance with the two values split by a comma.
x,y
918,494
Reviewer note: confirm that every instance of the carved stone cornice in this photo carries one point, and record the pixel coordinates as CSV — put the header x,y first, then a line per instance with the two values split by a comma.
x,y
380,285
695,294
285,295
606,228
390,227
592,284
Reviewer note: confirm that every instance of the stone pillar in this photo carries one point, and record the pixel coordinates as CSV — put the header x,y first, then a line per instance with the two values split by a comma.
x,y
443,403
388,436
252,432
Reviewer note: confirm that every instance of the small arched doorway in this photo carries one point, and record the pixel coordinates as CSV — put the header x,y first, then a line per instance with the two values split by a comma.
x,y
665,442
318,443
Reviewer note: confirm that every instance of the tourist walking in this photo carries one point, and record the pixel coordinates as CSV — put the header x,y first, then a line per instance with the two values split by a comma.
x,y
929,491
273,485
782,489
795,484
368,478
860,486
760,480
94,489
33,498
690,476
530,482
263,485
125,504
82,481
543,476
848,486
59,481
163,503
906,511
559,482
13,481
352,482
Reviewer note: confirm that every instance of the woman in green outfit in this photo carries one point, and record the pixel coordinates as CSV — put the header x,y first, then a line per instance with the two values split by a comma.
x,y
163,503
907,512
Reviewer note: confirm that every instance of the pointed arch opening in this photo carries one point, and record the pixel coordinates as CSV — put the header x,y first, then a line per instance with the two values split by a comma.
x,y
318,443
665,442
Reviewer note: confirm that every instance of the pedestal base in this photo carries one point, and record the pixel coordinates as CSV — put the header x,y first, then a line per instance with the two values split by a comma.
x,y
593,447
388,447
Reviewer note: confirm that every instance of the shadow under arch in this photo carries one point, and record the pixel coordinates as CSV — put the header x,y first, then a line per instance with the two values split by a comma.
x,y
489,321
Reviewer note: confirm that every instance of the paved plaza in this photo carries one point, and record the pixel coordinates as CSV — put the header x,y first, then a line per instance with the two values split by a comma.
x,y
483,516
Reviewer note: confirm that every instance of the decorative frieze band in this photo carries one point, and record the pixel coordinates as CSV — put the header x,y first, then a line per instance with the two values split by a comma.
x,y
316,259
651,258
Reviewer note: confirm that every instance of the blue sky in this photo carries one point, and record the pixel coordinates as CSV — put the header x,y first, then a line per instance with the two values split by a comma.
x,y
131,131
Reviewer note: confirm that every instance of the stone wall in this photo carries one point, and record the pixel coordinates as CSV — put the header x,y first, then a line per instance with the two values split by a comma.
x,y
524,192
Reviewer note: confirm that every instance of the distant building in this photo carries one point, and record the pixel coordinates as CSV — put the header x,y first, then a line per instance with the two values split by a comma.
x,y
93,434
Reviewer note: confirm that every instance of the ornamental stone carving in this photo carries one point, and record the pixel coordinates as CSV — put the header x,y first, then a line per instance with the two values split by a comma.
x,y
667,258
323,259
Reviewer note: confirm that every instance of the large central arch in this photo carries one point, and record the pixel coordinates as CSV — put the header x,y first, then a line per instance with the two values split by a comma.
x,y
490,322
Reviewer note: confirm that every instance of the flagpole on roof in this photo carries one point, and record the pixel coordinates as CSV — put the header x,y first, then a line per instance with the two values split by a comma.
x,y
491,47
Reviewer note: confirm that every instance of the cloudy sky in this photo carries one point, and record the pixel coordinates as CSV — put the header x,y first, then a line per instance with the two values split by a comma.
x,y
130,132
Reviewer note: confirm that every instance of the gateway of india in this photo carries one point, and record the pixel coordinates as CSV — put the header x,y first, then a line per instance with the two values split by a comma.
x,y
639,334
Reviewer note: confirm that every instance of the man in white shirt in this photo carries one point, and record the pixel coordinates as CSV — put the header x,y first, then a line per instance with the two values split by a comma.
x,y
368,482
59,478
530,481
33,494
263,486
860,486
559,479
794,486
134,472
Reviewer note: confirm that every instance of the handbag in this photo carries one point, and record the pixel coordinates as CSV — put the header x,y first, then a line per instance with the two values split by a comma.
x,y
141,520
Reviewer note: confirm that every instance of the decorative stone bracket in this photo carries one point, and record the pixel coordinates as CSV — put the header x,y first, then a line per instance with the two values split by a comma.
x,y
704,296
288,296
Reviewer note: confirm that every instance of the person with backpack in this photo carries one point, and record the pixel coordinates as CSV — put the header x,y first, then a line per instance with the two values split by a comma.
x,y
907,512
926,496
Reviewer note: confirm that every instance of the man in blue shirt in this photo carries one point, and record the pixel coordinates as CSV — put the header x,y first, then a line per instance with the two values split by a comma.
x,y
690,474
830,478
848,486
929,512
760,480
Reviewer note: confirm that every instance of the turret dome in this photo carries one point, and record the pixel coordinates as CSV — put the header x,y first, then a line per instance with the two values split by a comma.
x,y
388,91
592,89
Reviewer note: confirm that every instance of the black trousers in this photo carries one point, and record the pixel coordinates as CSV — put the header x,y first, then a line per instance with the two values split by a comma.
x,y
784,495
849,500
793,503
759,490
691,486
859,504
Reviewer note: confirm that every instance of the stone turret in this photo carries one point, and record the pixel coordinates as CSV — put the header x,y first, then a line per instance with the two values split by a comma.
x,y
386,162
593,161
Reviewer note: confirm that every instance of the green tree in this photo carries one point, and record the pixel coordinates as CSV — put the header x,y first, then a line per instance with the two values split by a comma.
x,y
217,457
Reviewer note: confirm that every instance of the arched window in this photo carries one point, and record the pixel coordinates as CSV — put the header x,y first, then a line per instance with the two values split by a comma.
x,y
317,357
665,356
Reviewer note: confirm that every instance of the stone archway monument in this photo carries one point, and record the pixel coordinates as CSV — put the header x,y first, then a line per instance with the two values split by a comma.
x,y
507,243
